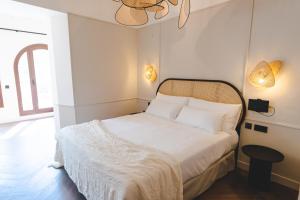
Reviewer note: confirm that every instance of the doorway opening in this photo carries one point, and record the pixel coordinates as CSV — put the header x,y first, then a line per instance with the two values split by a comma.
x,y
33,80
35,65
25,70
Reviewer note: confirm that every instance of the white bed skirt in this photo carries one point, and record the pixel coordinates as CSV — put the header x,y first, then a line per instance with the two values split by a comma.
x,y
105,167
199,184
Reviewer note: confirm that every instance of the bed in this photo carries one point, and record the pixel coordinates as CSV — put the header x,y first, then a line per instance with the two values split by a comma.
x,y
178,161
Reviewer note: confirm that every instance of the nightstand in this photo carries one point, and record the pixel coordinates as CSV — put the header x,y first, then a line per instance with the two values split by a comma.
x,y
261,160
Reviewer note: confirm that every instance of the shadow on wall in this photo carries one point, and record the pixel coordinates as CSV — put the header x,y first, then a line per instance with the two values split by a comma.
x,y
220,37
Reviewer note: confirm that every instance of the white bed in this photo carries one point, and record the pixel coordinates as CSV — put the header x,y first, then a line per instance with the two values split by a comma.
x,y
150,156
194,148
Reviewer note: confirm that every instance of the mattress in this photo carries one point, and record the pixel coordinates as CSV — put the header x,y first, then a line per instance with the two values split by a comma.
x,y
195,149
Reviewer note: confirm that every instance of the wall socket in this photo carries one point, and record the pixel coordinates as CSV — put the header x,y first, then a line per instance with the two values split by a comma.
x,y
248,125
259,128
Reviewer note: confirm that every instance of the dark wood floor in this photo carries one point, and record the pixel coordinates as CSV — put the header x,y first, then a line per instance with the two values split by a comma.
x,y
234,187
27,148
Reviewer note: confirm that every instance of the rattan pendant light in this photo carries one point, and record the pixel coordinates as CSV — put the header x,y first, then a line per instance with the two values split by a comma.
x,y
135,12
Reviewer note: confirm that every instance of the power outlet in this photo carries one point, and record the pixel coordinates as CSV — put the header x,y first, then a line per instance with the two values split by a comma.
x,y
248,125
260,128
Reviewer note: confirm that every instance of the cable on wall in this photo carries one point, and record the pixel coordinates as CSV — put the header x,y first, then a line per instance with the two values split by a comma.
x,y
21,31
271,114
249,44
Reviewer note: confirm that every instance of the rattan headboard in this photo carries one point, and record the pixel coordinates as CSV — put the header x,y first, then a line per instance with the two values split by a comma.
x,y
210,90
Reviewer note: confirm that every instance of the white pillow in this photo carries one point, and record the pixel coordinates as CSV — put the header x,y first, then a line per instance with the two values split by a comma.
x,y
172,99
231,111
210,121
164,109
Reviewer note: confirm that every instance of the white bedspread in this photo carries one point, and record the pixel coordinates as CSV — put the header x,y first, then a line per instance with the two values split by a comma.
x,y
194,148
106,167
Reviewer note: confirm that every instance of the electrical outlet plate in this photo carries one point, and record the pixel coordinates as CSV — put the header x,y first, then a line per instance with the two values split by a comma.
x,y
248,125
260,128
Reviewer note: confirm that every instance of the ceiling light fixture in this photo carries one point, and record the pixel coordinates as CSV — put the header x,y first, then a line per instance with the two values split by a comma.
x,y
135,12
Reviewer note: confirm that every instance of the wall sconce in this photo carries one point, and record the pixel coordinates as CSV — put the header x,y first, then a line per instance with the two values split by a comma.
x,y
150,73
264,74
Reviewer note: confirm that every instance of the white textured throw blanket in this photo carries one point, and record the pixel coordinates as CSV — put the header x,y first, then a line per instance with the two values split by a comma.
x,y
105,167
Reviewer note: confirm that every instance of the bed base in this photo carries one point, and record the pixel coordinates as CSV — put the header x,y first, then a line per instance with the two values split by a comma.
x,y
199,184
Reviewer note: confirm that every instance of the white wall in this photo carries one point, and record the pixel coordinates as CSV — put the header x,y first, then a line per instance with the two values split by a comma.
x,y
59,47
104,68
275,35
214,45
148,53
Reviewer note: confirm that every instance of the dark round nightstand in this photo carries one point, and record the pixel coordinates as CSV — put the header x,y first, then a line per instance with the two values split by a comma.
x,y
261,160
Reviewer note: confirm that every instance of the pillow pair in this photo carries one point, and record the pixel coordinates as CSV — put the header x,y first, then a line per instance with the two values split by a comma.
x,y
211,116
230,112
167,106
199,113
210,121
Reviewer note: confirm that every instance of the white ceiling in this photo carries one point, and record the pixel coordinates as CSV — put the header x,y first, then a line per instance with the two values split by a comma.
x,y
14,15
105,9
16,9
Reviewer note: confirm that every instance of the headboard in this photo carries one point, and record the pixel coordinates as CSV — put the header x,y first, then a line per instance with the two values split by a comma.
x,y
210,90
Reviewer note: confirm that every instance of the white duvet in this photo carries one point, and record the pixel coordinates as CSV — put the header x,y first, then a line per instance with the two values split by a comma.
x,y
106,167
194,148
154,157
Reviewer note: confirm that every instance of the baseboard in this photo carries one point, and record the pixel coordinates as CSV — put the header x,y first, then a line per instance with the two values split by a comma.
x,y
275,177
27,117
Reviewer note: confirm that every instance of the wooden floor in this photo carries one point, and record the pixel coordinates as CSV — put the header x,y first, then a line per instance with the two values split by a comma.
x,y
26,149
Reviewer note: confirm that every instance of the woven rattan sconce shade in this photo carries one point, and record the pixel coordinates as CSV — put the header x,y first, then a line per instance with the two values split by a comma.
x,y
264,74
150,73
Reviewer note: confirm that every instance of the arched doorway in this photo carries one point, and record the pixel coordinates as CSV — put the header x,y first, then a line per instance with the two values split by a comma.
x,y
33,80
